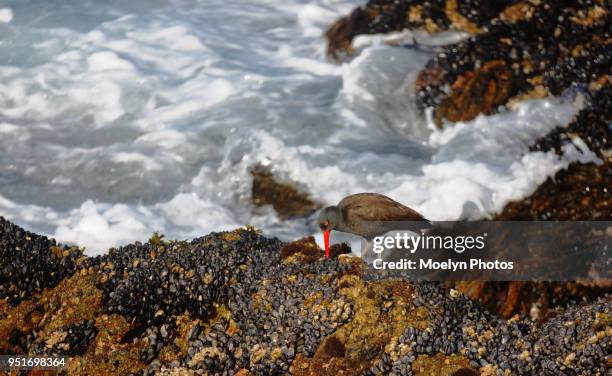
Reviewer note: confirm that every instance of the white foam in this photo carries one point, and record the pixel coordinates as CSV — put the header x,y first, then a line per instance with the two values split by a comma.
x,y
410,38
8,128
100,227
6,15
147,163
107,61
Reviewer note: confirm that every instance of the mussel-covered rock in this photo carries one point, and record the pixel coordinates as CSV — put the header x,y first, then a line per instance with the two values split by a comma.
x,y
238,303
29,262
555,45
582,191
384,16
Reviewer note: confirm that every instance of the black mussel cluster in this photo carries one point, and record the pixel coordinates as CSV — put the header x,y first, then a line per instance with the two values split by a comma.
x,y
154,281
72,340
481,12
247,309
575,342
384,16
589,65
558,41
155,337
592,125
271,320
30,263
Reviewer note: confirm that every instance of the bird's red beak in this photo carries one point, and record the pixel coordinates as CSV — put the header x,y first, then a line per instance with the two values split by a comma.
x,y
326,240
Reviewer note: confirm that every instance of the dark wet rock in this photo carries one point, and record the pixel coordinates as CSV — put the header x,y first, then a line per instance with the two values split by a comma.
x,y
556,45
592,125
536,300
519,50
237,303
72,340
478,92
384,16
29,262
380,16
285,198
581,192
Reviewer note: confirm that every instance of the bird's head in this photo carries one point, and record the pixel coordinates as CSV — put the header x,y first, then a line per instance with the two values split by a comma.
x,y
328,220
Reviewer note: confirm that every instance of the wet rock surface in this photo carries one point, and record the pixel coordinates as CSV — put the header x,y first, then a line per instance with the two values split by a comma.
x,y
555,45
582,191
238,303
591,126
536,300
384,16
519,49
286,199
31,262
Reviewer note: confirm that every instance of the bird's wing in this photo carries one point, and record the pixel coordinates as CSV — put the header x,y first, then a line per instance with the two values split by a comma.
x,y
376,207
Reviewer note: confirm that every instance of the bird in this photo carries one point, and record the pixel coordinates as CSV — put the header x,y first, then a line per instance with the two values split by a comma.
x,y
368,215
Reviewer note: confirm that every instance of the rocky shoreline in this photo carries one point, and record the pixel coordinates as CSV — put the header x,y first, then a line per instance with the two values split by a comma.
x,y
518,50
240,303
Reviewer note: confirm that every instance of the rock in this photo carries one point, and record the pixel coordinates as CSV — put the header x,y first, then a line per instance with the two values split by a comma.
x,y
284,197
477,92
147,309
30,263
553,46
507,299
384,16
591,126
442,365
581,192
519,49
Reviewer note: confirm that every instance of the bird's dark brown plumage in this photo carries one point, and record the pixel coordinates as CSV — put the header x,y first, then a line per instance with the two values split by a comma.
x,y
370,215
376,207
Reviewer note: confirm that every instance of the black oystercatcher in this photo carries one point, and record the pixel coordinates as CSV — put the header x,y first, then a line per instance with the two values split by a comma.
x,y
369,215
